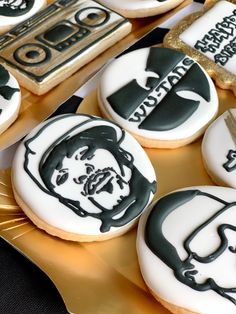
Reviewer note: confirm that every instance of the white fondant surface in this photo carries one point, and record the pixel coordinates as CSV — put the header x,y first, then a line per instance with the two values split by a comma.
x,y
136,4
14,20
216,144
132,66
201,27
9,107
176,227
47,207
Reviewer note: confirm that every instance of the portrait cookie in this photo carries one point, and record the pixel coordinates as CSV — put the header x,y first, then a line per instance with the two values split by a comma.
x,y
141,8
53,44
163,97
219,149
186,250
210,38
82,178
10,99
14,12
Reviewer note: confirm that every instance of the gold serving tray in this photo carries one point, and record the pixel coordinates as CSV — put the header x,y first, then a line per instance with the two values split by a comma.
x,y
102,277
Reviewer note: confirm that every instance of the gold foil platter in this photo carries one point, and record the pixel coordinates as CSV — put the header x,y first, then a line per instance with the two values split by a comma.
x,y
102,277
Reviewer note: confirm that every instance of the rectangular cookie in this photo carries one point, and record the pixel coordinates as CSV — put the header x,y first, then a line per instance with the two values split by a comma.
x,y
47,48
209,37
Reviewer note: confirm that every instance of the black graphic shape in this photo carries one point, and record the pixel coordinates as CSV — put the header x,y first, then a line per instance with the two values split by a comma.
x,y
172,110
6,91
92,17
184,270
63,35
99,137
32,55
8,8
230,165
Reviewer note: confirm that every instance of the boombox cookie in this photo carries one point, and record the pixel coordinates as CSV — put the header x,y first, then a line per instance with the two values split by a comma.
x,y
10,99
82,178
210,38
219,149
163,97
186,250
14,12
140,8
53,44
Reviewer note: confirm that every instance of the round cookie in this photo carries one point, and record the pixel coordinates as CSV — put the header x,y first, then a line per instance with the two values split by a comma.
x,y
186,250
219,149
15,12
163,97
10,99
140,8
82,178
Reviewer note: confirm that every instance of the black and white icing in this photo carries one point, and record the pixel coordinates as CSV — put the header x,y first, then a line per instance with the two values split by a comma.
x,y
13,12
140,8
9,98
84,175
214,35
158,93
219,149
186,249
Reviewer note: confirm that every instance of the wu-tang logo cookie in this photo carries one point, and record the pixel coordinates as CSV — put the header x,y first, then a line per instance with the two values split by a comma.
x,y
163,92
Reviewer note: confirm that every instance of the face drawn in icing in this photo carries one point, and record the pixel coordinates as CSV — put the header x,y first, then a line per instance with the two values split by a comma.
x,y
91,174
15,7
96,179
5,91
185,270
159,103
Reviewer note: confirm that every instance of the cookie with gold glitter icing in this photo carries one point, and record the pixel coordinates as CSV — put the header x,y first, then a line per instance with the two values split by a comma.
x,y
209,36
50,46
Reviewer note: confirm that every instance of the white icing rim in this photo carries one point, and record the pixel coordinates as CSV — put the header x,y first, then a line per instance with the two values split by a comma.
x,y
47,207
136,4
109,83
160,279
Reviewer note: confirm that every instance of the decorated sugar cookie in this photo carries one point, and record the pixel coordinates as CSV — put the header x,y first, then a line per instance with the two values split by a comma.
x,y
219,149
141,8
186,250
84,178
50,46
163,97
10,99
13,12
209,37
